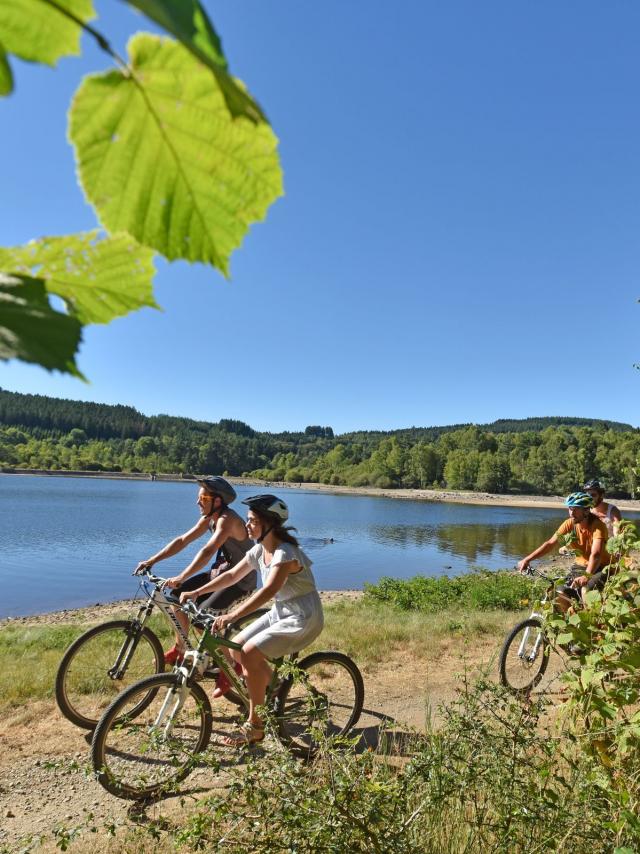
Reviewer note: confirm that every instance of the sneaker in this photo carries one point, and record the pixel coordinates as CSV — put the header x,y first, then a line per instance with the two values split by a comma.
x,y
173,655
223,686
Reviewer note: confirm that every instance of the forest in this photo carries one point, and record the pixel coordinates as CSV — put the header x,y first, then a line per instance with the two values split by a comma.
x,y
550,455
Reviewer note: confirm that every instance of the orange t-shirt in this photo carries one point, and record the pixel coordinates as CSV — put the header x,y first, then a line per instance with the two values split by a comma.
x,y
583,538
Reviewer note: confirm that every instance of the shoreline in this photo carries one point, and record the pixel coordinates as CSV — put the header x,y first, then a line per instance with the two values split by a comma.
x,y
101,611
431,495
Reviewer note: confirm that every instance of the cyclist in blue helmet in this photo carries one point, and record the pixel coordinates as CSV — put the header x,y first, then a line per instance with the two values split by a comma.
x,y
586,537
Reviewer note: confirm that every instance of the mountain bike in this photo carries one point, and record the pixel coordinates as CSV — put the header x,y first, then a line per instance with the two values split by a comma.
x,y
107,658
525,653
150,737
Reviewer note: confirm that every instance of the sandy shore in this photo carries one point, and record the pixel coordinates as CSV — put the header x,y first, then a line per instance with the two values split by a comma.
x,y
437,495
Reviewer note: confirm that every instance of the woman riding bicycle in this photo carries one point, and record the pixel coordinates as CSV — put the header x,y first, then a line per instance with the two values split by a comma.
x,y
295,619
606,512
586,536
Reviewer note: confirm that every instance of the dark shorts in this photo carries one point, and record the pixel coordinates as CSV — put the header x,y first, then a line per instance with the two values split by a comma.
x,y
220,600
596,582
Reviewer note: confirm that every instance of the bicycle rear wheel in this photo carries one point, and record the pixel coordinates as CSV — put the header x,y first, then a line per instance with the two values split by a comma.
x,y
99,664
524,656
323,700
139,755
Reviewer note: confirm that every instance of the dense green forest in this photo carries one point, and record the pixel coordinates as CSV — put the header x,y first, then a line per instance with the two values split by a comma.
x,y
541,455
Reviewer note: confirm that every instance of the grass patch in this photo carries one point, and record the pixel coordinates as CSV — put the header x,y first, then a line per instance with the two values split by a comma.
x,y
476,591
368,630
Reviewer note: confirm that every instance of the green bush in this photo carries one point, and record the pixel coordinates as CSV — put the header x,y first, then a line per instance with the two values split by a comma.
x,y
479,590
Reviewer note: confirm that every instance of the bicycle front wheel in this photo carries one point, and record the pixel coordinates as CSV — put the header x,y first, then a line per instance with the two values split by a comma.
x,y
524,656
323,699
140,755
100,664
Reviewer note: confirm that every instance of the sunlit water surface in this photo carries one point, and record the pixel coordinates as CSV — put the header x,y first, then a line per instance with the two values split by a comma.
x,y
68,542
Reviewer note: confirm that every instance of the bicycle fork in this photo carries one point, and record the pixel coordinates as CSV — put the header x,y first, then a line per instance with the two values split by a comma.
x,y
132,636
533,653
177,695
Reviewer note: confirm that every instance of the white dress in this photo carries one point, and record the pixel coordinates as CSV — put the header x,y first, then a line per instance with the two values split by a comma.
x,y
296,618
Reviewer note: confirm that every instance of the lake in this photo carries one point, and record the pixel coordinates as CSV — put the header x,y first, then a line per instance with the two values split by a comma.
x,y
69,542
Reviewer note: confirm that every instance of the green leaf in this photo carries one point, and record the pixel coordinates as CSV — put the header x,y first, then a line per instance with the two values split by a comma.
x,y
38,32
6,76
160,157
189,23
31,330
99,278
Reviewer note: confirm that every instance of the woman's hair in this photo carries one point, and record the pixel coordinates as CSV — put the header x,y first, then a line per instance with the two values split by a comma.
x,y
279,531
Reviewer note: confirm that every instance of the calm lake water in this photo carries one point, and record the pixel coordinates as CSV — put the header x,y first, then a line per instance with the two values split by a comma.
x,y
68,542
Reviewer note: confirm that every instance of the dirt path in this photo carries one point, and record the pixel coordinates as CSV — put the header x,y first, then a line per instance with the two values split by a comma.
x,y
46,782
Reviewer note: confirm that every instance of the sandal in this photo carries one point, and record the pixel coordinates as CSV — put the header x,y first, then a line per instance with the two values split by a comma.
x,y
223,686
247,734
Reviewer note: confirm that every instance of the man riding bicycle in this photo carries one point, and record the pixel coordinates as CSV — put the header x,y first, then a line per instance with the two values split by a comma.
x,y
586,536
228,544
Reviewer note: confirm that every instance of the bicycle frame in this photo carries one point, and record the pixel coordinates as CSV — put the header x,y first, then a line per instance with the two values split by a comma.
x,y
156,598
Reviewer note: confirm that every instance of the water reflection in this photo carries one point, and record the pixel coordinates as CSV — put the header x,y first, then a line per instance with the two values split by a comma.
x,y
473,542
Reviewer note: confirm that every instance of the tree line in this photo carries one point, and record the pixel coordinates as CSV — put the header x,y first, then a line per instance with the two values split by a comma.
x,y
540,455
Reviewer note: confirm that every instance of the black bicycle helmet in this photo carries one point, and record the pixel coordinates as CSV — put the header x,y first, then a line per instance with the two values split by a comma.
x,y
218,486
270,506
594,483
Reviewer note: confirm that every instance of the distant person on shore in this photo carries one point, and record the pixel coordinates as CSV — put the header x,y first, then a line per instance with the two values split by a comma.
x,y
293,622
227,545
607,513
587,538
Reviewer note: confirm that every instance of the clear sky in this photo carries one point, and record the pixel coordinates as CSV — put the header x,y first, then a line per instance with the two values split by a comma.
x,y
458,242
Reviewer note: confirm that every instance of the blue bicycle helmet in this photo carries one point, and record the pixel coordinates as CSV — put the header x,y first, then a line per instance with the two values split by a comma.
x,y
579,499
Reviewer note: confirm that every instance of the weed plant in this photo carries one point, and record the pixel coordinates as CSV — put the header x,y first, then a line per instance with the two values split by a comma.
x,y
477,591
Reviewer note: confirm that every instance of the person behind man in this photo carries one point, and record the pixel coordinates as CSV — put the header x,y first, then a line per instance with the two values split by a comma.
x,y
587,537
228,544
607,513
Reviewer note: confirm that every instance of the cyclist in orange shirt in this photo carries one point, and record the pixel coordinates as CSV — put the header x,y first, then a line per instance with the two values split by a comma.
x,y
586,536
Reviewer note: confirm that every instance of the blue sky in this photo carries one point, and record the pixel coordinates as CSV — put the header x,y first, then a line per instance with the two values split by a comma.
x,y
458,240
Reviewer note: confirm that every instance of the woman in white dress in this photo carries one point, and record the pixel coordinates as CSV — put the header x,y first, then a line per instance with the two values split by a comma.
x,y
295,619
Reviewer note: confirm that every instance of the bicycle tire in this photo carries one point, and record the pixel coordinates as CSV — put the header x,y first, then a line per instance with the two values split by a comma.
x,y
134,761
325,703
84,687
512,665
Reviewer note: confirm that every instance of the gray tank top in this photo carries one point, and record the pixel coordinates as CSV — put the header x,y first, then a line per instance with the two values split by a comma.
x,y
232,552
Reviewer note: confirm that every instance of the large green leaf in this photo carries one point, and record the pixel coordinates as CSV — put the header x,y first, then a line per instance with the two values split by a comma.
x,y
159,155
99,278
37,31
6,77
31,330
188,21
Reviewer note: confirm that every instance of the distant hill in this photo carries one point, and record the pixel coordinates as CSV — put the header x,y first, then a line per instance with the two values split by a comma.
x,y
544,455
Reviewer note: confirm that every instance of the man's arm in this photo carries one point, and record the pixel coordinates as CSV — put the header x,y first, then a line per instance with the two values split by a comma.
x,y
544,549
592,564
207,552
220,582
176,545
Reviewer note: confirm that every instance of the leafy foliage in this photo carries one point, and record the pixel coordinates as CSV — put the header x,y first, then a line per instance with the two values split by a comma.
x,y
604,691
477,590
99,278
36,31
31,330
189,23
316,455
172,151
6,76
201,177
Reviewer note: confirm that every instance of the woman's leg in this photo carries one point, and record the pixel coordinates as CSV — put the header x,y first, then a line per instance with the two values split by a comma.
x,y
258,674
